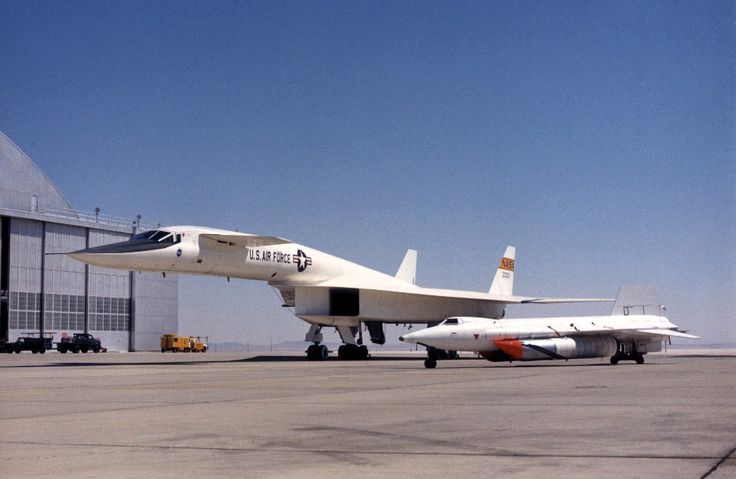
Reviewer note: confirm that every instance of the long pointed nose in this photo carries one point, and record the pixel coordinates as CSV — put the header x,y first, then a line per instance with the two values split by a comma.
x,y
82,255
123,255
96,258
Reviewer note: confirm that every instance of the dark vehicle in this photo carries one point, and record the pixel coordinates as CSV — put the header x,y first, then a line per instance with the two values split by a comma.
x,y
79,342
29,343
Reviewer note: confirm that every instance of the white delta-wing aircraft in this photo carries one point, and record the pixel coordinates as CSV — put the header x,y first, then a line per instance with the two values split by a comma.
x,y
324,290
637,325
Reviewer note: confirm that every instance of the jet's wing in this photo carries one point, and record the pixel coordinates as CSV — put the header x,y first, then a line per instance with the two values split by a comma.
x,y
667,332
564,300
243,240
590,329
401,287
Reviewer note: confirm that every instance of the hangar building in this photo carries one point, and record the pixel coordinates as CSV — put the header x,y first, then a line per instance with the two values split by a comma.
x,y
43,292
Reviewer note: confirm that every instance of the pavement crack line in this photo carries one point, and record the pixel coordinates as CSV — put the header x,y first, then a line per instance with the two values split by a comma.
x,y
721,461
488,454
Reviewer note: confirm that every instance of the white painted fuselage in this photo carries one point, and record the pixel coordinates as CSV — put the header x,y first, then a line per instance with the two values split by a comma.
x,y
549,338
324,289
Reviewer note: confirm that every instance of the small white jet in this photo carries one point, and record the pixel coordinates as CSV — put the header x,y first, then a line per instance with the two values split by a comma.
x,y
323,290
636,326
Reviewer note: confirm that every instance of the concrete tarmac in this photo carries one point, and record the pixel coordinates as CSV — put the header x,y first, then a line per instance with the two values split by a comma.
x,y
240,415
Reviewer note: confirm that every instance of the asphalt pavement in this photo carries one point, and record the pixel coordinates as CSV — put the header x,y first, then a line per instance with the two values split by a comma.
x,y
280,416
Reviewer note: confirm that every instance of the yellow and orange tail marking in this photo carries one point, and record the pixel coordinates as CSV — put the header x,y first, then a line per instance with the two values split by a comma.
x,y
507,264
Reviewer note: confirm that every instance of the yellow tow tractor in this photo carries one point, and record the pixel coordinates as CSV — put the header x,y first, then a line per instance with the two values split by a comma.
x,y
175,343
196,344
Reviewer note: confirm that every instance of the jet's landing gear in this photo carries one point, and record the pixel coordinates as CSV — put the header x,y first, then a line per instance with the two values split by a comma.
x,y
638,357
627,352
316,351
351,349
433,354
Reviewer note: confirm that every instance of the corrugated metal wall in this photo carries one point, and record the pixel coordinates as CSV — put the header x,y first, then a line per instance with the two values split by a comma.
x,y
109,306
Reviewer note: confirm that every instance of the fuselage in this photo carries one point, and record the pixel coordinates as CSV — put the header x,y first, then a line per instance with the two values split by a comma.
x,y
189,250
323,289
311,281
546,338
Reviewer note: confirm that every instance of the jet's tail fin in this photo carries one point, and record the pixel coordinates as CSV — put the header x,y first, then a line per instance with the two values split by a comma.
x,y
408,270
638,300
503,281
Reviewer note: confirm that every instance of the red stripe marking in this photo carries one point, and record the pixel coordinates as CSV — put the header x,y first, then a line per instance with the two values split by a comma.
x,y
512,347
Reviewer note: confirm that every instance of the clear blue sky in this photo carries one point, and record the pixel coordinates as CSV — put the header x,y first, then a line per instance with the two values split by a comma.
x,y
597,137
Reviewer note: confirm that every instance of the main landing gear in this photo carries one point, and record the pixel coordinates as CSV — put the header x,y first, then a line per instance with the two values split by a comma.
x,y
350,350
320,352
627,352
638,357
317,352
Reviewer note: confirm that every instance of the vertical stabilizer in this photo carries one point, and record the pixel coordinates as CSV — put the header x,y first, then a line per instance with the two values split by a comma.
x,y
408,269
503,282
637,300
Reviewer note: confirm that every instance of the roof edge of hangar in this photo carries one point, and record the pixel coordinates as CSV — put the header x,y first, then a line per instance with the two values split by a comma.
x,y
24,179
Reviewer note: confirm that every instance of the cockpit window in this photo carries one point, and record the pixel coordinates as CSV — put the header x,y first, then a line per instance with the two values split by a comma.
x,y
159,236
450,321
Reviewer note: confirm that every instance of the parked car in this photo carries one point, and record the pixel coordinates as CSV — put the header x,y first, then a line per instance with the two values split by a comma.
x,y
79,342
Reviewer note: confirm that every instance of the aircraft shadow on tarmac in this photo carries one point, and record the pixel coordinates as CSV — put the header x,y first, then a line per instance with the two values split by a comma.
x,y
253,359
462,363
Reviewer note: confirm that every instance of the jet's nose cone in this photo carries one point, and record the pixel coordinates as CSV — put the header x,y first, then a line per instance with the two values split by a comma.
x,y
408,338
401,338
86,255
79,255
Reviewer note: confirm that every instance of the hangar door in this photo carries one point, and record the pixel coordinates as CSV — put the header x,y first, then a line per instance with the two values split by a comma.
x,y
4,275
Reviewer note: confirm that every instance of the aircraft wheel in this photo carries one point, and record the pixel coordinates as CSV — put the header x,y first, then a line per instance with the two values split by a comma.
x,y
430,363
43,351
322,352
639,359
84,350
614,360
342,352
363,352
312,352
